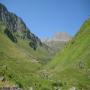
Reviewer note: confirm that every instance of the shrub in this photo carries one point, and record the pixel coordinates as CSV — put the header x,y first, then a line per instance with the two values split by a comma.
x,y
57,84
10,35
19,84
33,45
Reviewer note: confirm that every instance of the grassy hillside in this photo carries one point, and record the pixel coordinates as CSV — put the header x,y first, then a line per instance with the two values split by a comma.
x,y
72,65
20,65
17,64
69,69
42,54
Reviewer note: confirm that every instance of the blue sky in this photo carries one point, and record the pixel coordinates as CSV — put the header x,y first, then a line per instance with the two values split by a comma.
x,y
45,17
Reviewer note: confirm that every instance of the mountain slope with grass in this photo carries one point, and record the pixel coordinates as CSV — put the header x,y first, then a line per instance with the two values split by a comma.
x,y
16,64
21,52
72,65
18,33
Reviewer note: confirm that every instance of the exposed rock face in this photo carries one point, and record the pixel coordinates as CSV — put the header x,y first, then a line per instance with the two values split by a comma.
x,y
59,36
17,28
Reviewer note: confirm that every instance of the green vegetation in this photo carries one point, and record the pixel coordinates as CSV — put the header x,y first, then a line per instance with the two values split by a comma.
x,y
19,63
25,67
72,64
18,66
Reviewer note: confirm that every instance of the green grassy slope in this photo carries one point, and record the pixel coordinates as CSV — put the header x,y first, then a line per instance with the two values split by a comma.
x,y
16,64
19,64
42,54
68,70
72,65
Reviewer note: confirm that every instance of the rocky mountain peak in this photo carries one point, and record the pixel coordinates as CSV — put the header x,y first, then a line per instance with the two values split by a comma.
x,y
57,37
2,7
61,36
16,28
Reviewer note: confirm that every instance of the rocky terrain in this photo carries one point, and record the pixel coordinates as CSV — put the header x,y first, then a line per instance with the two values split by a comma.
x,y
16,28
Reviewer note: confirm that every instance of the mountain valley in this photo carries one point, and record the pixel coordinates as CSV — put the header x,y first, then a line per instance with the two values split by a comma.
x,y
61,62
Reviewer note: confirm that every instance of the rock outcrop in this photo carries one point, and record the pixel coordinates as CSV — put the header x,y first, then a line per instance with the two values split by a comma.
x,y
16,28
